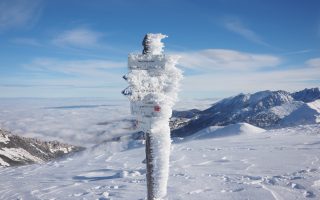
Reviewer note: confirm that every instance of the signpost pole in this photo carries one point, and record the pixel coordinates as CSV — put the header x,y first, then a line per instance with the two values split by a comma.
x,y
154,82
149,163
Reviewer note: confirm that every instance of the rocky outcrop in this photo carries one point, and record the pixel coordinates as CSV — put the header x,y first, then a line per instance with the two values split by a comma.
x,y
16,150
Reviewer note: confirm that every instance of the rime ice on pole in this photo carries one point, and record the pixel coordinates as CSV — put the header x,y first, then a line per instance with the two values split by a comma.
x,y
154,84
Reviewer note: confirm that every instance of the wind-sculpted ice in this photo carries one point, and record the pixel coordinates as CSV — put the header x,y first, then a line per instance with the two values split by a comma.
x,y
154,44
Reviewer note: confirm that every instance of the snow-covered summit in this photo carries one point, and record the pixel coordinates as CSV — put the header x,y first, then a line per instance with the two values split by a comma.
x,y
265,109
229,130
256,101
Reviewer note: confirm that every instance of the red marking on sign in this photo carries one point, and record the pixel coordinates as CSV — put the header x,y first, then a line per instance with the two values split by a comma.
x,y
157,108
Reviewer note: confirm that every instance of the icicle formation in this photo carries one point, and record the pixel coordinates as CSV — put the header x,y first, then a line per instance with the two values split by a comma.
x,y
154,84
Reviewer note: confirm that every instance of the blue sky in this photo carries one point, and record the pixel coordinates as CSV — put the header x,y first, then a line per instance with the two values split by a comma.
x,y
72,48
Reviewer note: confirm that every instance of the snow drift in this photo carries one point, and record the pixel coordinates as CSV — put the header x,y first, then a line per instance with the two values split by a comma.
x,y
229,130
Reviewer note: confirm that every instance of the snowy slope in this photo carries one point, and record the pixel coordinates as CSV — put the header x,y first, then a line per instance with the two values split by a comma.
x,y
308,113
229,130
248,164
278,164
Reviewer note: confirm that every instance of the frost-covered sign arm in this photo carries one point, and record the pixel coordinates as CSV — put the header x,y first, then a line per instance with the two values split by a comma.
x,y
154,82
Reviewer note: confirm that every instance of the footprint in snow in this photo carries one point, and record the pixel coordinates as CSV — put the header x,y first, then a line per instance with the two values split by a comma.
x,y
233,190
200,191
308,194
295,186
80,194
223,160
97,176
105,196
203,163
116,187
312,170
214,149
252,178
316,184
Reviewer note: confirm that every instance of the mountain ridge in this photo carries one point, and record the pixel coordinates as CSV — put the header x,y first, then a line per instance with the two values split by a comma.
x,y
16,150
264,109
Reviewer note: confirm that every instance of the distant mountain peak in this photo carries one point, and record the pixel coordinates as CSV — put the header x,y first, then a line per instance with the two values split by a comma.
x,y
263,109
307,95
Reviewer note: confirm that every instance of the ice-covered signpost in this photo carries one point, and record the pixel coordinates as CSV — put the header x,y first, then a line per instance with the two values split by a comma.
x,y
153,86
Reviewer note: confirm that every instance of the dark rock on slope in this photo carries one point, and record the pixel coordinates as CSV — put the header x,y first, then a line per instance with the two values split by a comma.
x,y
307,95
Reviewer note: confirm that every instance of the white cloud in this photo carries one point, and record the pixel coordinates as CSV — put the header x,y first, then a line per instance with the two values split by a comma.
x,y
221,73
52,77
314,62
223,59
17,13
229,82
48,120
89,68
236,26
78,37
47,77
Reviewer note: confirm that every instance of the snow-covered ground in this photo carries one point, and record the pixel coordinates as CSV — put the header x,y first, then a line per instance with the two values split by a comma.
x,y
238,161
